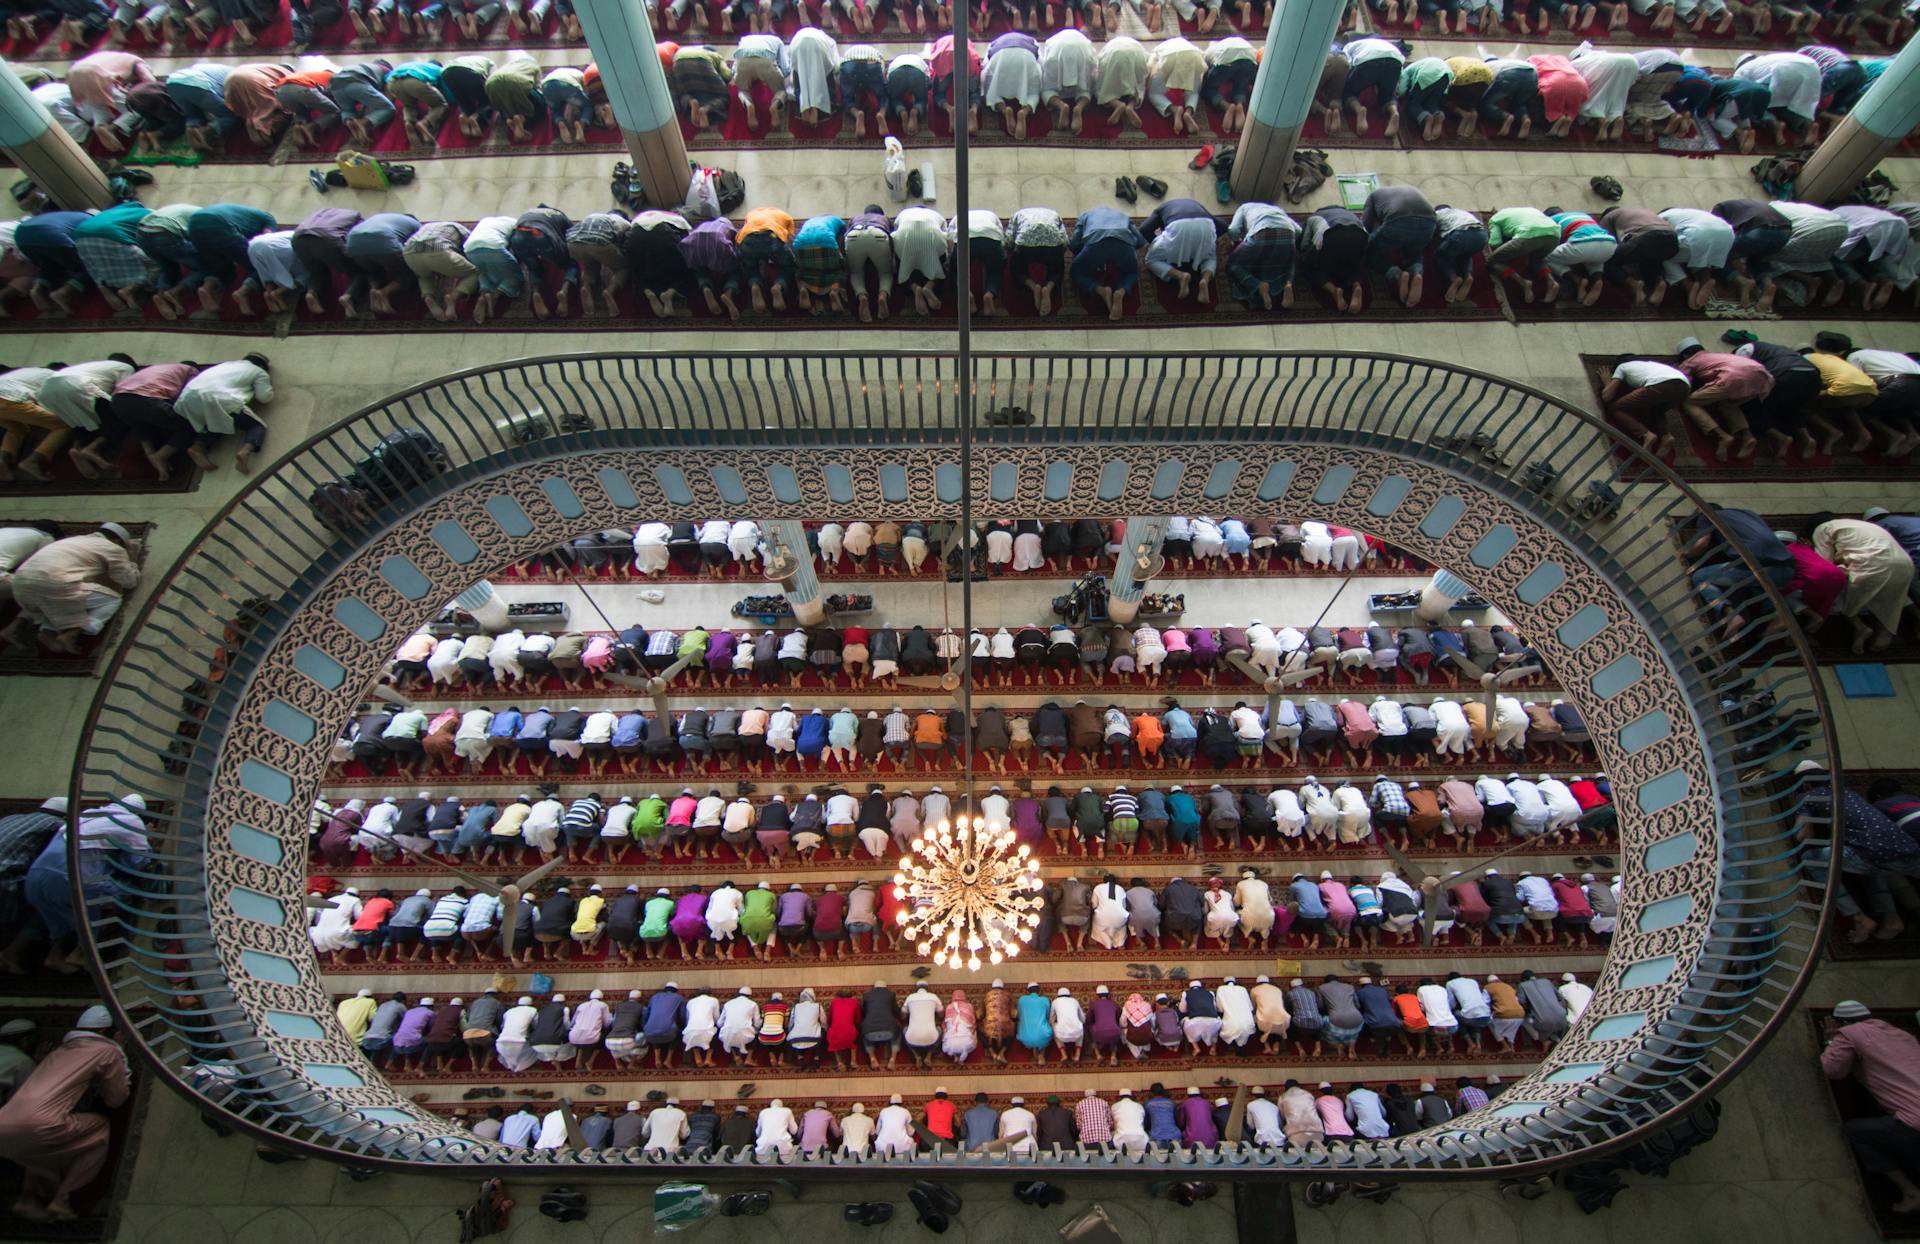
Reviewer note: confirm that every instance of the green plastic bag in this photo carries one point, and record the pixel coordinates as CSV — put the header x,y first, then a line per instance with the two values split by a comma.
x,y
677,1207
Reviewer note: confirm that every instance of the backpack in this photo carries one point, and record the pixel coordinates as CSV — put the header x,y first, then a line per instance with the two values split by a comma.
x,y
731,187
402,460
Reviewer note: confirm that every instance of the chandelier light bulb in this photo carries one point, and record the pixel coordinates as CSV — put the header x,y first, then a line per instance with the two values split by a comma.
x,y
967,887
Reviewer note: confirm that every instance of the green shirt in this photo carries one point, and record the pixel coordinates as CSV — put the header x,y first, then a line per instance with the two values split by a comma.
x,y
1520,222
756,918
649,817
119,223
693,645
653,923
1424,73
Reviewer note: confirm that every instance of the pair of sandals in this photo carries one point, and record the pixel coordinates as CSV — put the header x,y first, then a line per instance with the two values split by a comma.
x,y
746,1205
1130,188
868,1213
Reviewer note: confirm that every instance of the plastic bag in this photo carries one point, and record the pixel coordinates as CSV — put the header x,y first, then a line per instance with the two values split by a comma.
x,y
703,195
679,1206
893,169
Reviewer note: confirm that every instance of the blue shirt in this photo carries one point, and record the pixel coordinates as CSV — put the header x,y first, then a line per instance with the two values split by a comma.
x,y
424,70
981,1124
505,724
666,1016
1153,805
519,1128
627,731
1163,1119
1036,1029
1102,224
1178,724
1307,894
1182,809
1905,529
820,232
207,75
811,738
537,725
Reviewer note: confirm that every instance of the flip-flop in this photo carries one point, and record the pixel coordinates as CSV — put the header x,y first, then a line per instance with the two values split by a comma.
x,y
1200,161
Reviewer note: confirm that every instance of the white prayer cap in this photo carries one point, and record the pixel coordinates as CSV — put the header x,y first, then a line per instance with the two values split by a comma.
x,y
633,1105
456,1001
426,1002
1102,991
596,995
1064,992
115,529
1567,977
894,1100
56,804
94,1019
746,991
525,1001
559,997
423,893
364,993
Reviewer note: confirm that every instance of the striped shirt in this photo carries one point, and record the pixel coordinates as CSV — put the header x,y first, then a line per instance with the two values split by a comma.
x,y
445,920
899,728
1120,804
583,818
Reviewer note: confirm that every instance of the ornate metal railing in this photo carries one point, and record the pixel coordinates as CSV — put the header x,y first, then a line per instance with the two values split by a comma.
x,y
259,642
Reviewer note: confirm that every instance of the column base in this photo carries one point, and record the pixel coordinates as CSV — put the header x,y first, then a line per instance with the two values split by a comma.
x,y
60,167
660,160
1261,162
1122,611
810,612
1841,161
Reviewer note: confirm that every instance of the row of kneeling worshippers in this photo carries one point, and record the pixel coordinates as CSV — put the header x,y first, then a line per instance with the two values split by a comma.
x,y
852,1028
230,258
554,923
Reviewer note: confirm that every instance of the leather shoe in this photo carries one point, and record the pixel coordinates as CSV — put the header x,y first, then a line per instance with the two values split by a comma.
x,y
942,1198
1151,186
1123,188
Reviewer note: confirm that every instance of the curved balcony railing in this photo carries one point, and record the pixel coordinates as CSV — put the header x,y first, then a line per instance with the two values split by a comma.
x,y
256,646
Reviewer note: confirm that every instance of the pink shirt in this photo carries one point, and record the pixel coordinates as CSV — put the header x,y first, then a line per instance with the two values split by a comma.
x,y
1739,378
680,813
1333,1115
1175,640
1883,1058
599,653
103,78
1339,902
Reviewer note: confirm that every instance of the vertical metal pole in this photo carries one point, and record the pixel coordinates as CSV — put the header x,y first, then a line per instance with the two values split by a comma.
x,y
963,356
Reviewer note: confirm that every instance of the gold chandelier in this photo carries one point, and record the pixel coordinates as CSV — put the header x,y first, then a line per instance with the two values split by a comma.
x,y
966,891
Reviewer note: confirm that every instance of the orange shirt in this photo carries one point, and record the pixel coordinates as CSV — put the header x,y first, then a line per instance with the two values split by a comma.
x,y
930,728
1411,1015
767,220
315,78
1148,732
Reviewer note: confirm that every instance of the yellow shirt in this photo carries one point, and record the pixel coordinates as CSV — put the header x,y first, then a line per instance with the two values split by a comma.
x,y
356,1015
1839,378
586,917
511,818
1470,71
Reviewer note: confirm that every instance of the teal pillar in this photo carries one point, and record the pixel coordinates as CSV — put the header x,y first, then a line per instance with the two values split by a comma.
x,y
1437,597
1127,587
1885,115
622,41
788,540
46,153
1297,44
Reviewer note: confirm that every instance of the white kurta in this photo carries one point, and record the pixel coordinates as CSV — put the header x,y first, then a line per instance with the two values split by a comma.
x,y
1609,75
1121,71
1236,1011
1222,919
334,928
1068,63
1356,819
1879,572
815,59
1110,916
1012,76
739,1022
723,911
1793,79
